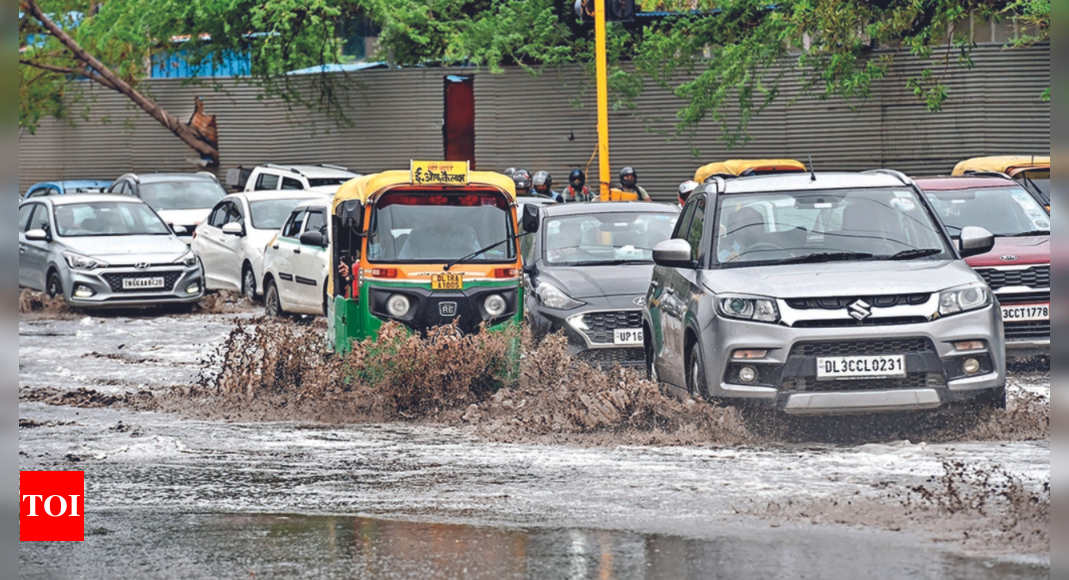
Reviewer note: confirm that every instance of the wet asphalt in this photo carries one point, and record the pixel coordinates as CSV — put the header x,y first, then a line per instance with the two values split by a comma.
x,y
169,497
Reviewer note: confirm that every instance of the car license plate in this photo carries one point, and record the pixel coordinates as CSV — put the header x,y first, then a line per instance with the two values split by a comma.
x,y
1026,313
142,283
447,282
627,336
861,367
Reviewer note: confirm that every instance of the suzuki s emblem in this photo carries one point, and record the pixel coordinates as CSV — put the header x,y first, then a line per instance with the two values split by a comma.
x,y
861,310
640,301
447,309
142,265
1009,258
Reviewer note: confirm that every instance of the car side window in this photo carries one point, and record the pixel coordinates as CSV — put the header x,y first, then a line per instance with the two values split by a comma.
x,y
315,222
292,229
696,229
218,217
527,248
266,182
40,220
683,225
234,216
24,216
291,184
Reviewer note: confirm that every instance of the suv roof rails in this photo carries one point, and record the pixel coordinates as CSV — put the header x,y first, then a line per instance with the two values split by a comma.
x,y
284,168
338,167
719,182
891,172
988,174
209,175
133,177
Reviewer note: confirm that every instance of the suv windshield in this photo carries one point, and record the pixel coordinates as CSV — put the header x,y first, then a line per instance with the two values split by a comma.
x,y
426,227
272,213
108,219
868,224
605,239
1004,212
182,195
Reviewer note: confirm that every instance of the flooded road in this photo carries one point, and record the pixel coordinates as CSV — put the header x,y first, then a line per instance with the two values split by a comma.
x,y
170,497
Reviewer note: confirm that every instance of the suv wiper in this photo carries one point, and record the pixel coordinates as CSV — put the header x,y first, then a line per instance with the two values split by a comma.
x,y
612,263
913,254
826,257
1028,234
478,253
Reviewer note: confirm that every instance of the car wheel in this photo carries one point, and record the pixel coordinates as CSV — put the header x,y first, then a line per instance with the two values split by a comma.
x,y
696,371
54,288
248,284
272,304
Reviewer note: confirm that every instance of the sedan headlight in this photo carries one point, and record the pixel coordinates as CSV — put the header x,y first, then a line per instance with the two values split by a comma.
x,y
746,308
964,299
80,262
550,296
189,259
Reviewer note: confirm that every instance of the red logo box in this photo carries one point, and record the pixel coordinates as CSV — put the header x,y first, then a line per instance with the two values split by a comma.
x,y
51,506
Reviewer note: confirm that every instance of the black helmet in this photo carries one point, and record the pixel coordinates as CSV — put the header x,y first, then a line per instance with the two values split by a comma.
x,y
628,172
577,179
522,179
542,182
510,171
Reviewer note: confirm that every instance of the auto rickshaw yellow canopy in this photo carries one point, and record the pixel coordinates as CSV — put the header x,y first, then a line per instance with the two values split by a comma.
x,y
746,167
1009,164
368,186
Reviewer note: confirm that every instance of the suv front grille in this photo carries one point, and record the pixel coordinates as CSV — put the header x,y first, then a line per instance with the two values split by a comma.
x,y
1036,277
864,347
912,381
600,325
114,281
607,357
843,303
1028,330
1025,298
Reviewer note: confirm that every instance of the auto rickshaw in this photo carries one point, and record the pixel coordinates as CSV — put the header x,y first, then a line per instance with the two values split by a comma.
x,y
427,247
747,168
1032,172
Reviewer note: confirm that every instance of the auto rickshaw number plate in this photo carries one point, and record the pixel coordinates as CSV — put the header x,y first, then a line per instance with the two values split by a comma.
x,y
447,281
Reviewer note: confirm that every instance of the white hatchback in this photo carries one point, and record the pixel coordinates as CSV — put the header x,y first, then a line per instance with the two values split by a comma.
x,y
232,241
297,262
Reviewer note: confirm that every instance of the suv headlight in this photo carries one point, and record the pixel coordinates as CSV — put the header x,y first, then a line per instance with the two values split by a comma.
x,y
964,299
189,259
80,262
551,296
747,308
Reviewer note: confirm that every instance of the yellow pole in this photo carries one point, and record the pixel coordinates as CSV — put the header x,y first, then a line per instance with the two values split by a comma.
x,y
603,101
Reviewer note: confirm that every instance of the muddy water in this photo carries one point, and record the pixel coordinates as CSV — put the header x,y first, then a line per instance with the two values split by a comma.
x,y
747,510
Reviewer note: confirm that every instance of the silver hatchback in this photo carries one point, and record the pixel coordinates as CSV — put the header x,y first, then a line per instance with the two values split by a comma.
x,y
101,251
828,294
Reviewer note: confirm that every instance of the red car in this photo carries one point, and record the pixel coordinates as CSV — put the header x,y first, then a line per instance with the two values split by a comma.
x,y
1018,268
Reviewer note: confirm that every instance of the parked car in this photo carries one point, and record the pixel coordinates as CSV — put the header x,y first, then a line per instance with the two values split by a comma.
x,y
183,200
838,295
232,241
297,262
1031,171
1018,268
586,272
101,251
64,187
325,179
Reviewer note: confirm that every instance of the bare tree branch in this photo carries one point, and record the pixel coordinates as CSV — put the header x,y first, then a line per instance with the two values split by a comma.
x,y
78,72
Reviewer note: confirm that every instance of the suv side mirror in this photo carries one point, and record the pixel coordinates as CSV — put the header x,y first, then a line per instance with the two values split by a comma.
x,y
531,221
975,241
314,238
179,230
234,229
38,236
673,254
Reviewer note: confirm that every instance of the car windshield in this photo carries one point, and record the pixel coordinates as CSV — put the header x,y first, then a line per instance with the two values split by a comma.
x,y
431,227
812,227
605,238
1005,212
177,195
328,181
108,219
272,213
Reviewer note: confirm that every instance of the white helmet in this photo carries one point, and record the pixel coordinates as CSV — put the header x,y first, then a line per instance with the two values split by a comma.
x,y
685,189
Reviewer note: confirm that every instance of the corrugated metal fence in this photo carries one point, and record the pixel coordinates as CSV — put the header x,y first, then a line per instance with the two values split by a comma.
x,y
548,122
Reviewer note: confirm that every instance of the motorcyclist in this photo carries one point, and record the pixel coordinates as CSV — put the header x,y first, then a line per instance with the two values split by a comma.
x,y
523,183
509,172
577,191
685,189
629,184
543,186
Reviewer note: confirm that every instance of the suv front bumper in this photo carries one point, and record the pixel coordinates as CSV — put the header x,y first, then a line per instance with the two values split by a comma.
x,y
787,376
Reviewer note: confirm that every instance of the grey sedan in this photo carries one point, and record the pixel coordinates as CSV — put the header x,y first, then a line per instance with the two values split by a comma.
x,y
587,268
101,251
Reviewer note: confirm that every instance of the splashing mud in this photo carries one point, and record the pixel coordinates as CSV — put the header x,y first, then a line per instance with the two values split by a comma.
x,y
38,304
90,399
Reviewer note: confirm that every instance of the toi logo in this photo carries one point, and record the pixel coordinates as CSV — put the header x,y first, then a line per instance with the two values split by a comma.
x,y
51,506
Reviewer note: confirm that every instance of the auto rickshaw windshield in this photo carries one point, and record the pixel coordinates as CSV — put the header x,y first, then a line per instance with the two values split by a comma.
x,y
437,227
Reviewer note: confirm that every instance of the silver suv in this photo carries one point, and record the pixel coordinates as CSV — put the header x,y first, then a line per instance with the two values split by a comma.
x,y
823,294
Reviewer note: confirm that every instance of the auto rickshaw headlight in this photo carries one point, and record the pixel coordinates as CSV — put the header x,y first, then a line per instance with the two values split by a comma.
x,y
398,305
495,305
